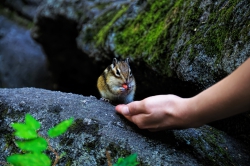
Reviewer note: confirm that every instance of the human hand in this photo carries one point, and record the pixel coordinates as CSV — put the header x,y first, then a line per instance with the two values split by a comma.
x,y
158,112
226,98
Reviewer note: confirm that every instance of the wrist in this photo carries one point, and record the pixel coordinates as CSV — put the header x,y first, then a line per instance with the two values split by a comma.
x,y
183,112
194,115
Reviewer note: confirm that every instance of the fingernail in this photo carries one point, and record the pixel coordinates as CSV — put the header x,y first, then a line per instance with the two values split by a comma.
x,y
125,110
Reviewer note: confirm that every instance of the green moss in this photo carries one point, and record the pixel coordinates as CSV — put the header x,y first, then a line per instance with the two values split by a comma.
x,y
69,162
78,126
219,34
217,154
102,5
144,37
102,34
153,35
10,144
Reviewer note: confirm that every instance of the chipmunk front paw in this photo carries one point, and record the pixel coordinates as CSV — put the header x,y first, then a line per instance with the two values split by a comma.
x,y
104,99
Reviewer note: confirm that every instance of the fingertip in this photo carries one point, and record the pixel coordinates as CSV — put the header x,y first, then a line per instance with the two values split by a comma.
x,y
122,109
118,108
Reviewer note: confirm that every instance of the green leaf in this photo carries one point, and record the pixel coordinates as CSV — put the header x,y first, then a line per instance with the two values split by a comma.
x,y
24,131
60,128
32,122
27,130
34,145
128,161
19,126
29,159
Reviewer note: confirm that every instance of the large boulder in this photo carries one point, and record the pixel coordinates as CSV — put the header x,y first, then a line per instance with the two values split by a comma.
x,y
176,47
69,32
22,61
98,128
26,8
196,41
179,47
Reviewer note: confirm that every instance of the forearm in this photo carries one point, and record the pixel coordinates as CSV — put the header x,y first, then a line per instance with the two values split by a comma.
x,y
228,97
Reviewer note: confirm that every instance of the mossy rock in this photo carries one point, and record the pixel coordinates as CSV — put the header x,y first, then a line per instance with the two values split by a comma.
x,y
176,47
176,38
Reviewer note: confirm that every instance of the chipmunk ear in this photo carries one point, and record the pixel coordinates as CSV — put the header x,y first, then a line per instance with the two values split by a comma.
x,y
127,60
114,62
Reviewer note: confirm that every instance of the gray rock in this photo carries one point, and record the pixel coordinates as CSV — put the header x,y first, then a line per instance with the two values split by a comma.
x,y
98,128
26,8
216,44
201,43
195,46
67,31
22,61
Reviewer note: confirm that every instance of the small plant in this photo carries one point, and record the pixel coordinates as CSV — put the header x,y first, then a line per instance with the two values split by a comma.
x,y
128,161
33,145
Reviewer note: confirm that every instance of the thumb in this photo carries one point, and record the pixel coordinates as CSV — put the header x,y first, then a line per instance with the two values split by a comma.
x,y
123,109
130,109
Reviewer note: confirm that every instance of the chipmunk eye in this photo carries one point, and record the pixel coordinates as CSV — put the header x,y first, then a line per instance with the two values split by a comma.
x,y
117,72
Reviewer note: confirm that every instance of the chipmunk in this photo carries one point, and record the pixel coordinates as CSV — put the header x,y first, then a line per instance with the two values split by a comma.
x,y
117,84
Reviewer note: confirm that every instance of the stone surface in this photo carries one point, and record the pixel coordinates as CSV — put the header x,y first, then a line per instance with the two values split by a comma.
x,y
98,128
26,8
22,61
178,47
67,31
199,42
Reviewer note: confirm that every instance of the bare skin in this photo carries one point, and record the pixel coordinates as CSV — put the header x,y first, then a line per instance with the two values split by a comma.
x,y
228,97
